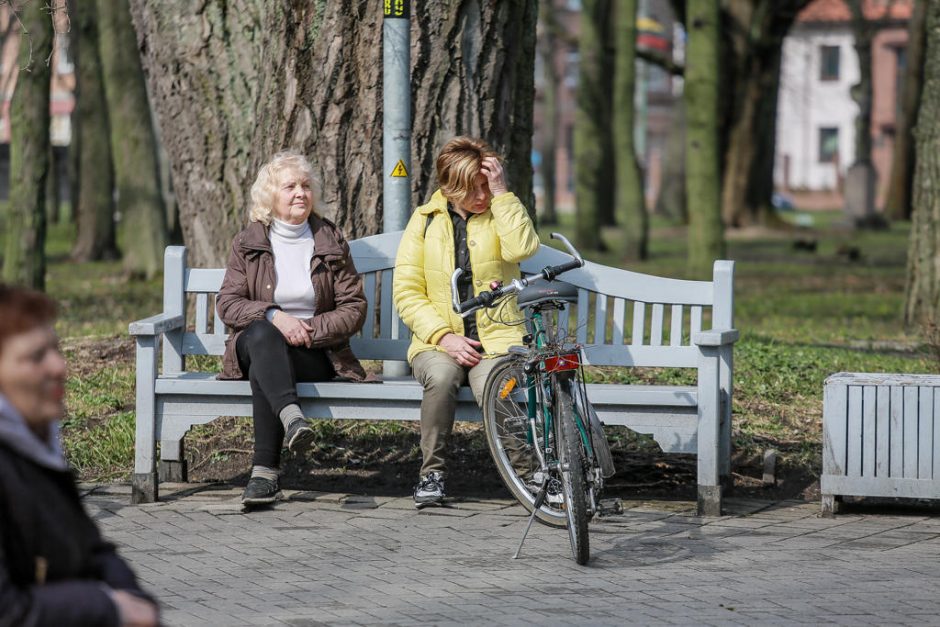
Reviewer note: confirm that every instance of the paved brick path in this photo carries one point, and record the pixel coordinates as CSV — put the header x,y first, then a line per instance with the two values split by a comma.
x,y
341,559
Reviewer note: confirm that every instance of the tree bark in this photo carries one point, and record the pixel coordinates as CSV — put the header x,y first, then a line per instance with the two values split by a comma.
x,y
230,90
24,259
133,147
898,199
630,198
94,200
706,234
922,299
754,31
592,154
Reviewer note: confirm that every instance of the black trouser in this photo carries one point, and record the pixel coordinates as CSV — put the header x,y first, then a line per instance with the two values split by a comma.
x,y
273,368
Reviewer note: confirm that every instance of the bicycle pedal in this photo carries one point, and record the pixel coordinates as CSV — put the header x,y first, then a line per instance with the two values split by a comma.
x,y
610,507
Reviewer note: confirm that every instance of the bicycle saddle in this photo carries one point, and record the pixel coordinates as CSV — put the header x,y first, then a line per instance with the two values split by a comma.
x,y
547,292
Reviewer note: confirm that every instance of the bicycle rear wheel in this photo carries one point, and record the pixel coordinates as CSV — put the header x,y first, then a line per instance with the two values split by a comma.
x,y
573,481
506,403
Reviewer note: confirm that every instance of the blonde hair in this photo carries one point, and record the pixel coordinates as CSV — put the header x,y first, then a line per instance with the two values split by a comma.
x,y
264,189
458,165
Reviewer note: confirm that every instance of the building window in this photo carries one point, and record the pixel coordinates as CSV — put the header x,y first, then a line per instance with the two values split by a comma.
x,y
828,144
571,68
829,63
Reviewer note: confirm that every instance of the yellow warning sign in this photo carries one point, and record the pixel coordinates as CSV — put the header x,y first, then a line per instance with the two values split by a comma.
x,y
400,169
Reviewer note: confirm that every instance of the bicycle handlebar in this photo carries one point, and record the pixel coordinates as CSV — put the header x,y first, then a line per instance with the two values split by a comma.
x,y
487,297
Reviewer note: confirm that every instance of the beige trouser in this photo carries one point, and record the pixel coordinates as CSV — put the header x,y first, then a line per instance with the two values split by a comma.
x,y
441,376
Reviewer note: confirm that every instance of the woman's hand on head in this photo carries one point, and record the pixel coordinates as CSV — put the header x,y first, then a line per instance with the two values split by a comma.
x,y
492,169
461,348
294,330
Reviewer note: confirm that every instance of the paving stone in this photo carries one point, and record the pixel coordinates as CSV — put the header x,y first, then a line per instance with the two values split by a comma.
x,y
335,559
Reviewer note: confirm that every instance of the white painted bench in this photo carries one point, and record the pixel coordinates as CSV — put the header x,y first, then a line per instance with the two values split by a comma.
x,y
880,437
623,319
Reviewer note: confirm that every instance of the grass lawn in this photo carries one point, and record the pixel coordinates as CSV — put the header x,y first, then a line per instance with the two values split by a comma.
x,y
802,316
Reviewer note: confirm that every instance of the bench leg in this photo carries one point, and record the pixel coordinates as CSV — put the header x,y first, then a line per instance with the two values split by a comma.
x,y
144,486
173,465
708,451
830,505
725,382
709,500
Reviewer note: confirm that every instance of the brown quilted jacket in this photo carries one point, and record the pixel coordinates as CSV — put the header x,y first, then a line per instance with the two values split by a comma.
x,y
248,291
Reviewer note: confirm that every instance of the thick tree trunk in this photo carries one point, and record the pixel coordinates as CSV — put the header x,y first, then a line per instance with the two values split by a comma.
x,y
862,93
24,259
922,301
547,46
706,234
592,155
754,31
898,199
94,203
133,147
630,199
230,90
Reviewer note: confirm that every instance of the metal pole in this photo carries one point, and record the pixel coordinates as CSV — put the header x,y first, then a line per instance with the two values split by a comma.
x,y
396,131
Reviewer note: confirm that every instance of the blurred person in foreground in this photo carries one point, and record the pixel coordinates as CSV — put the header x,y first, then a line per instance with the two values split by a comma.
x,y
293,298
55,568
475,223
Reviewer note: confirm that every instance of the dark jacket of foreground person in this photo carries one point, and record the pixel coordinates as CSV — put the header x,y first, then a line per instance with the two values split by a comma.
x,y
248,291
54,564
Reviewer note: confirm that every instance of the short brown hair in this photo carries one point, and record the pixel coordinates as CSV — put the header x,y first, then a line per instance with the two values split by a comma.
x,y
23,310
458,164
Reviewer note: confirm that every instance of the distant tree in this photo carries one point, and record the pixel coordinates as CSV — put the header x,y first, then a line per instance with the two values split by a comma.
x,y
593,158
232,83
133,145
922,299
898,200
753,32
94,202
703,181
547,47
24,259
630,198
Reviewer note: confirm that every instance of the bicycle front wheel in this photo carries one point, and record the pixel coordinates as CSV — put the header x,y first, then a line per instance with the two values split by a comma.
x,y
573,481
510,438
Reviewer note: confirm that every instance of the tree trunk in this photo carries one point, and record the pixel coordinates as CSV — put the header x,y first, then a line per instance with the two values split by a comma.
x,y
630,198
898,199
133,147
94,201
230,90
863,31
754,31
922,299
706,235
24,259
592,158
547,46
672,200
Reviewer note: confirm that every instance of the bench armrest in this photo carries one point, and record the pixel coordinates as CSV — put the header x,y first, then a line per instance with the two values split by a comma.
x,y
156,325
716,337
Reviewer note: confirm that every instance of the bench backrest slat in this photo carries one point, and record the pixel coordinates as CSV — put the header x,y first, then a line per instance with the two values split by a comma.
x,y
603,293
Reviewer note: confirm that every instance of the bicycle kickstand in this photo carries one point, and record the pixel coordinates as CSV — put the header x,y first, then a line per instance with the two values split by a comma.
x,y
539,499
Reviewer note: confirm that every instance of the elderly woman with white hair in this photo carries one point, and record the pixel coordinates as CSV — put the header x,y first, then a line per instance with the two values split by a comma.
x,y
293,298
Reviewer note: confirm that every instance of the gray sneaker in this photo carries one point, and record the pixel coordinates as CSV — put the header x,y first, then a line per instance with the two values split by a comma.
x,y
430,490
299,436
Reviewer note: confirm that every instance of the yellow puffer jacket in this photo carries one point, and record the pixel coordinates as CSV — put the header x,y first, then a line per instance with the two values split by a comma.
x,y
498,240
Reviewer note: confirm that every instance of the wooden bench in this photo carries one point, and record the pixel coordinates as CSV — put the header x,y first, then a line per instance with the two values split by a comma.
x,y
623,319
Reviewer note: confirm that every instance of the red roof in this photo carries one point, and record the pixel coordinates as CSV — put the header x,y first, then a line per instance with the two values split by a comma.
x,y
838,11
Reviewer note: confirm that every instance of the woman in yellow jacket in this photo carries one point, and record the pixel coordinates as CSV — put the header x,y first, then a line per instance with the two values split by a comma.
x,y
474,222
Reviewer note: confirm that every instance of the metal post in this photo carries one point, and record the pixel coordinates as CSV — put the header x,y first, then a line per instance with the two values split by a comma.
x,y
396,130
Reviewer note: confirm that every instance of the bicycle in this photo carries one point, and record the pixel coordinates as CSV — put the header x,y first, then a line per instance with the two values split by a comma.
x,y
548,444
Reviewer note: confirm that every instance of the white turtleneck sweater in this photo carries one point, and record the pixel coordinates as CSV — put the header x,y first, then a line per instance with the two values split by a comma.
x,y
293,249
